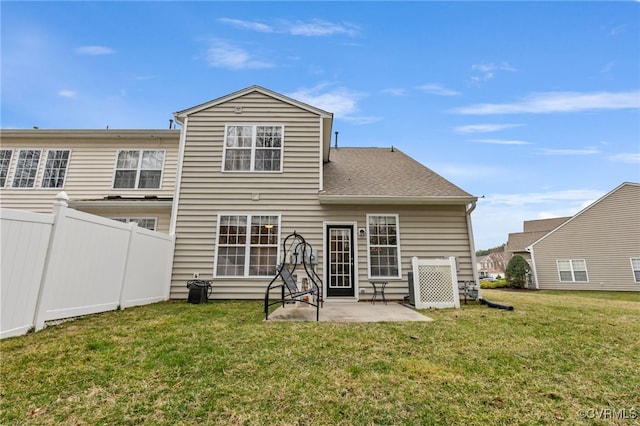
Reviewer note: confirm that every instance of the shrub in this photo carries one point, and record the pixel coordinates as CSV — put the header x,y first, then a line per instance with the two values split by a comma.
x,y
499,283
517,270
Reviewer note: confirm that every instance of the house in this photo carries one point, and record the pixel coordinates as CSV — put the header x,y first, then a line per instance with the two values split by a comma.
x,y
255,166
533,230
491,265
245,171
127,175
597,249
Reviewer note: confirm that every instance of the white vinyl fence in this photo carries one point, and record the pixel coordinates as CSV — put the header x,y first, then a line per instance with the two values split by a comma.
x,y
72,263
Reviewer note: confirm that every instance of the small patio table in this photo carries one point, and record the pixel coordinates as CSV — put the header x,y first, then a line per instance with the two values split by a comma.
x,y
378,289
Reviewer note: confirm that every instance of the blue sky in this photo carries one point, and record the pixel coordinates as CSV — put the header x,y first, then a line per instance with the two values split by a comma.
x,y
533,105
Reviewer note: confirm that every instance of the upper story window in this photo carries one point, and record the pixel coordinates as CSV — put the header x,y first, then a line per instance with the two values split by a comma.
x,y
572,270
55,169
253,148
26,168
139,169
384,246
143,222
5,161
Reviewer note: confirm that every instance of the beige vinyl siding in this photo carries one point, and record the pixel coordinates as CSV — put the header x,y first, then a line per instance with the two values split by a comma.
x,y
206,191
90,169
606,236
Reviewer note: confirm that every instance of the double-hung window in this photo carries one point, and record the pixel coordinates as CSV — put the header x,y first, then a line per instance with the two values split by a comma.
x,y
253,148
55,169
635,267
139,169
26,168
5,161
247,245
383,246
572,270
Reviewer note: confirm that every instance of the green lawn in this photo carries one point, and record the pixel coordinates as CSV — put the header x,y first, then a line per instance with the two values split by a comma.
x,y
557,358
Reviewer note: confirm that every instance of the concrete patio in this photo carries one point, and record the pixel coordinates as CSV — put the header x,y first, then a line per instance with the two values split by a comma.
x,y
348,312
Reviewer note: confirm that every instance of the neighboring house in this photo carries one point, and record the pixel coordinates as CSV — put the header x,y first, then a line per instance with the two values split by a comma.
x,y
532,231
128,175
491,265
255,166
245,171
597,249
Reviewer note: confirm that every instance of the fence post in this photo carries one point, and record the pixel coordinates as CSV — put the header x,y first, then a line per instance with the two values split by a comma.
x,y
59,211
133,230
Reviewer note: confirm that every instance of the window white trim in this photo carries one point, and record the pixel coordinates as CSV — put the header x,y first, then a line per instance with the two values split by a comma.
x,y
5,166
247,244
635,268
138,220
138,168
29,178
396,246
46,163
253,149
572,266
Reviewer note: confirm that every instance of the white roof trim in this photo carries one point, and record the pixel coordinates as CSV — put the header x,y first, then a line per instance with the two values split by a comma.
x,y
180,115
598,201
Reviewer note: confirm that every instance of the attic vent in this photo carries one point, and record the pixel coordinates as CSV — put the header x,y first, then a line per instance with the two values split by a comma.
x,y
237,110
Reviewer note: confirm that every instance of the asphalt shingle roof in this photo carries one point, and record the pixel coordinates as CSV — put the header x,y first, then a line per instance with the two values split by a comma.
x,y
383,172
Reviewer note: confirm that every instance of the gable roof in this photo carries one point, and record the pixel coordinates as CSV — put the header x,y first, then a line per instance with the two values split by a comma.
x,y
385,176
583,211
519,241
326,117
180,115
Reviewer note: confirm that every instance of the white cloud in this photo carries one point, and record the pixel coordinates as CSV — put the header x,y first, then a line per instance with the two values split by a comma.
x,y
502,141
585,151
223,54
608,67
313,28
248,25
437,89
498,215
395,92
341,102
550,102
577,197
67,93
319,27
631,158
95,50
486,71
484,128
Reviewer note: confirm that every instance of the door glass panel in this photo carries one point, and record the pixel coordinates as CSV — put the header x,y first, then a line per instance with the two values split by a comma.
x,y
340,247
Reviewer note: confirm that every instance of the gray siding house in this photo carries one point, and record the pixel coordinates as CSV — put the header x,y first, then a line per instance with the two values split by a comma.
x,y
255,166
597,249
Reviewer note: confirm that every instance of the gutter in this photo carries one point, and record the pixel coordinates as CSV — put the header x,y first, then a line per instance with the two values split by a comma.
x,y
121,203
472,245
533,266
176,186
403,200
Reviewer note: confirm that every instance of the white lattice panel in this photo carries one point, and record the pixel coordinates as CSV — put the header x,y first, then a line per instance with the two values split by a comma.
x,y
435,283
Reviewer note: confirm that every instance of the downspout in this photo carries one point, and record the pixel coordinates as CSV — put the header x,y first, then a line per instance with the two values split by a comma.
x,y
472,246
533,266
176,189
321,183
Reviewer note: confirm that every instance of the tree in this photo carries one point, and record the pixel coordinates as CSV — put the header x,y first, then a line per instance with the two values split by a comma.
x,y
517,270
